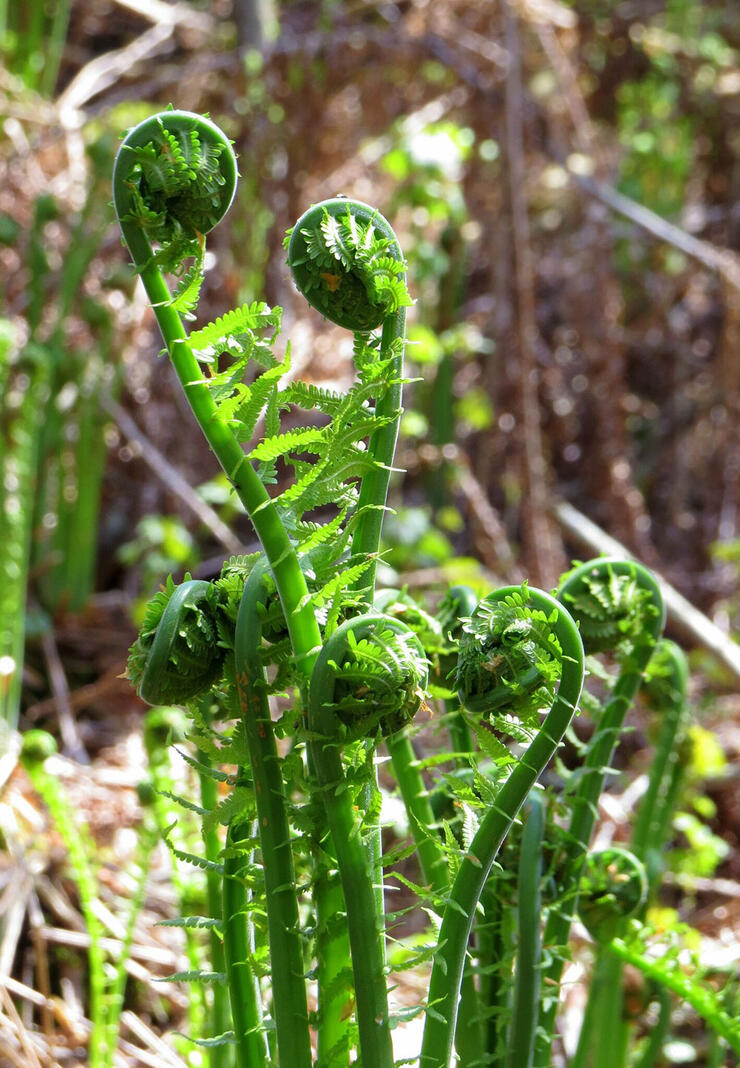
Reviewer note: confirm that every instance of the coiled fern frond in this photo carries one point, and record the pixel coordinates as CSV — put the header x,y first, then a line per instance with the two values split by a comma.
x,y
509,658
174,179
177,655
612,607
613,887
348,264
371,676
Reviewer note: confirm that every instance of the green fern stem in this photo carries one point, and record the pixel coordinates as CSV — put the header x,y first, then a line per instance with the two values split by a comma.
x,y
473,873
365,932
525,1010
246,1011
281,555
666,687
359,294
286,957
669,974
601,748
164,725
221,1056
654,814
421,817
435,874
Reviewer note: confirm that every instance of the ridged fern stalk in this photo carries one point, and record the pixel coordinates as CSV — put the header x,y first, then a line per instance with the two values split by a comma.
x,y
299,880
174,178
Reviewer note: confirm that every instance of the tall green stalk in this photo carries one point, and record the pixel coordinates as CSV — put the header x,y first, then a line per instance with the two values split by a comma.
x,y
471,878
613,600
175,210
286,955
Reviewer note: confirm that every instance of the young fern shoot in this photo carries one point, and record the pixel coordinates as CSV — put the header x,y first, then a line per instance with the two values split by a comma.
x,y
517,643
617,605
174,178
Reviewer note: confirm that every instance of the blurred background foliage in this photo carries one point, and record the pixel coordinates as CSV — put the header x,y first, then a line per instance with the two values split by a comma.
x,y
564,177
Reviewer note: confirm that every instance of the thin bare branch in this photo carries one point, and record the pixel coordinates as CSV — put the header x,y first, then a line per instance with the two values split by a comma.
x,y
172,478
540,542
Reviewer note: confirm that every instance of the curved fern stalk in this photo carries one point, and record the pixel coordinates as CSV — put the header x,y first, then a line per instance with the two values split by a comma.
x,y
458,603
526,647
615,603
347,262
669,971
286,957
613,887
665,687
526,1006
174,178
399,605
416,799
367,680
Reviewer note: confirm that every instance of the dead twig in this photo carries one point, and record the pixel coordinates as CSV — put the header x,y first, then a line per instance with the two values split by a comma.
x,y
542,552
72,745
172,478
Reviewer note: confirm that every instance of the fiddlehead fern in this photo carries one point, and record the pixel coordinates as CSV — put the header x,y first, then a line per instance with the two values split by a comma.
x,y
556,640
665,688
389,651
508,657
181,196
599,588
176,657
613,887
378,684
347,262
174,180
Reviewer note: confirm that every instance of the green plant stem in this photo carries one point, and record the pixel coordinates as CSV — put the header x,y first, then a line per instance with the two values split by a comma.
x,y
525,1012
221,1056
702,998
332,959
368,957
492,929
654,814
382,447
421,817
147,840
460,737
366,538
610,1036
251,1045
286,955
471,878
19,465
658,1033
435,874
164,817
594,772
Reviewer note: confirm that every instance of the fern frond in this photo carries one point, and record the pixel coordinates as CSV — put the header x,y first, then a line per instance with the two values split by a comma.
x,y
247,319
194,923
